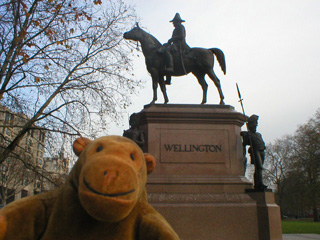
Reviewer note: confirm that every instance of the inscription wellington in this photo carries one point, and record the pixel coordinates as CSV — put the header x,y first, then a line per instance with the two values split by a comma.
x,y
192,148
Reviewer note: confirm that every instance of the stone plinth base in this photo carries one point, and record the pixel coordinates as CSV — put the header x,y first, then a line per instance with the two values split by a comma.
x,y
268,212
198,184
252,216
209,216
198,148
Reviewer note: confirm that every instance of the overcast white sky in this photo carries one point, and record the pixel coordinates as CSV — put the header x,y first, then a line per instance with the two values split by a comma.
x,y
272,50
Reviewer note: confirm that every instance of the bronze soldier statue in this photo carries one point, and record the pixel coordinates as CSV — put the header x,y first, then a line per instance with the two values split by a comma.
x,y
256,150
176,45
134,133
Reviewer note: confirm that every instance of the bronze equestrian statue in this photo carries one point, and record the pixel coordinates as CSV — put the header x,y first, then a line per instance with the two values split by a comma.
x,y
199,61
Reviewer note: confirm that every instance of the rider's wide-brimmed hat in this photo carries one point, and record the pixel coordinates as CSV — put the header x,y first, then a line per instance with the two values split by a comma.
x,y
177,18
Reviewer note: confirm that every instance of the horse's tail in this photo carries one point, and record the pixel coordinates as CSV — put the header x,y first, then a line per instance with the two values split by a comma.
x,y
220,56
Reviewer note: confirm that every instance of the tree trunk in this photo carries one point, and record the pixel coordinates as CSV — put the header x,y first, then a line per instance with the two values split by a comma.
x,y
315,214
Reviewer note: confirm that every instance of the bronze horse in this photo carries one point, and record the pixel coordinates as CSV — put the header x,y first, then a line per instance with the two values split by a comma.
x,y
199,61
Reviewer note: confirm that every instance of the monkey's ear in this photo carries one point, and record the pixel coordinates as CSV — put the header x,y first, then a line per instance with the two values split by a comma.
x,y
150,162
79,144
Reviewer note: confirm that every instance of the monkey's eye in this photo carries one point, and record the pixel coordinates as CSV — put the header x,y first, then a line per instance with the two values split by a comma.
x,y
99,149
132,157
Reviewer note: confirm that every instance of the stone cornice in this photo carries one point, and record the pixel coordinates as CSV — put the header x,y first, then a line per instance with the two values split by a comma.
x,y
191,113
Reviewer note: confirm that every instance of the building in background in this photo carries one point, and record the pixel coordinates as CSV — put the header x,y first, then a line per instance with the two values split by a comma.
x,y
27,171
57,168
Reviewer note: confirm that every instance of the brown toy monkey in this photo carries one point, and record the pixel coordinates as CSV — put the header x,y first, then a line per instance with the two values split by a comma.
x,y
104,198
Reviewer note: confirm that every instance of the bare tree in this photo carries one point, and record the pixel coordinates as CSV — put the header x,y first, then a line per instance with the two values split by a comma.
x,y
293,164
294,200
278,163
307,160
63,65
13,178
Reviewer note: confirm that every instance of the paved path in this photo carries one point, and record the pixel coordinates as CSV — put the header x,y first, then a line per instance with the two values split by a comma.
x,y
301,237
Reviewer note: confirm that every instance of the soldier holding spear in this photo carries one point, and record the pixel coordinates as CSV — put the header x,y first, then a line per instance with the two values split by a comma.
x,y
257,146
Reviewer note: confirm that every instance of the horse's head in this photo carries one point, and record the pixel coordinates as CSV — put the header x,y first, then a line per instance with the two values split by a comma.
x,y
134,34
148,42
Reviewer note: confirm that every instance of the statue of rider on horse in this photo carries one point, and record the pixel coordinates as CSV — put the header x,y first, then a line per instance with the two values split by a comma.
x,y
176,45
176,58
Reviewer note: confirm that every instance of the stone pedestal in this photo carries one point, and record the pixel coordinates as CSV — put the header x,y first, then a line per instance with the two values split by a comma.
x,y
268,214
198,184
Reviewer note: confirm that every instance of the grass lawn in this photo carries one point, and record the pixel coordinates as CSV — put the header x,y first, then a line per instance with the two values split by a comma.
x,y
300,226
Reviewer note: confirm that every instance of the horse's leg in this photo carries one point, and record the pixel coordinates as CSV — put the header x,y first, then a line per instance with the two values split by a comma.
x,y
154,87
163,89
216,81
204,85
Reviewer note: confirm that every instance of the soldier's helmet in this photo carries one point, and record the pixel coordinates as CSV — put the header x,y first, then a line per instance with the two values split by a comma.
x,y
253,118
